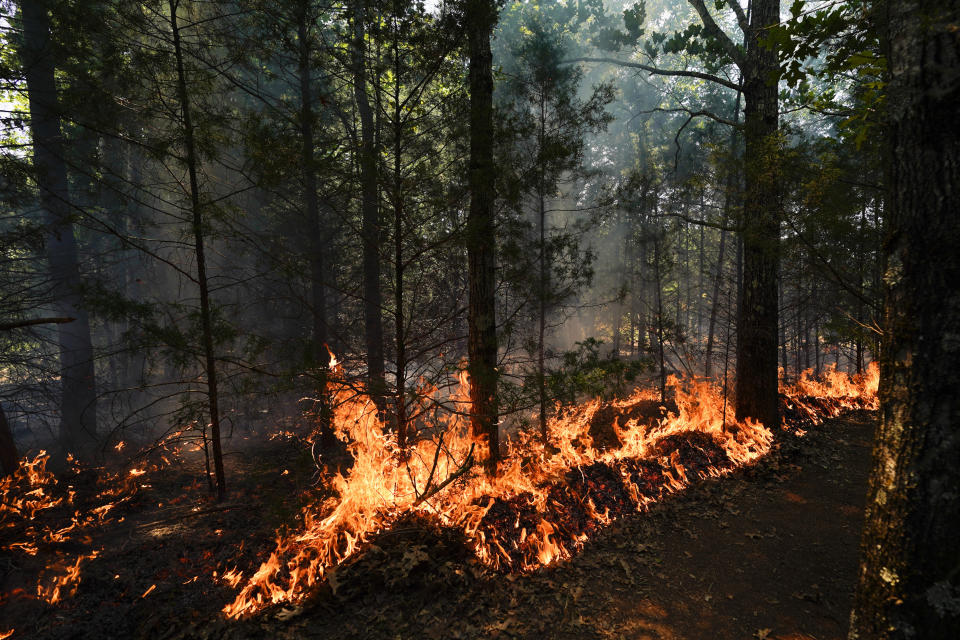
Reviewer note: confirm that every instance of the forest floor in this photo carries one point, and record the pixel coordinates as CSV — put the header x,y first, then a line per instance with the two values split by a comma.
x,y
769,552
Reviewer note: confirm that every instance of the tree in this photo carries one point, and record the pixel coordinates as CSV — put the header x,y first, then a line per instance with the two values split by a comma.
x,y
550,124
78,405
909,584
480,16
196,209
758,63
372,296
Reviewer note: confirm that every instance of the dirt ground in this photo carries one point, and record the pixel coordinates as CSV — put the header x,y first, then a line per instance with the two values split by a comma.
x,y
768,553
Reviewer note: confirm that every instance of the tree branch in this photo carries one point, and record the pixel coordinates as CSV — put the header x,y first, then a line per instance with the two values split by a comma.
x,y
694,114
661,72
714,30
741,15
7,326
427,494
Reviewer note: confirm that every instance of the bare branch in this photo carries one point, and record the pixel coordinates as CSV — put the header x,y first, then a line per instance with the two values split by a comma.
x,y
741,15
709,77
467,464
7,326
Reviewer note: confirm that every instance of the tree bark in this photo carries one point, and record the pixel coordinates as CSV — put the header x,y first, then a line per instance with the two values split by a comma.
x,y
198,235
480,18
78,404
370,213
756,377
311,201
909,583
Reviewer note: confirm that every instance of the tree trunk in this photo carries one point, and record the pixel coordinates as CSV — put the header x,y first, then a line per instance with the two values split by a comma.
x,y
756,382
198,234
370,213
542,280
78,404
401,343
9,458
480,18
661,354
909,584
318,299
732,184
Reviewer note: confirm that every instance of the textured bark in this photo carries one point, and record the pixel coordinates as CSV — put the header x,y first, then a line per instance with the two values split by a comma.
x,y
909,584
198,235
480,17
756,383
370,212
78,405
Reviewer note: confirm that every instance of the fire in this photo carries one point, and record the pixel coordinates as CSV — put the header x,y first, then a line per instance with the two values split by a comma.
x,y
541,508
811,400
38,511
65,583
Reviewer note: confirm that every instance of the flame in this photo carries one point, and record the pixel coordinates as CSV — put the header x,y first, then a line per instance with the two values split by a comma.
x,y
383,485
36,511
815,400
65,583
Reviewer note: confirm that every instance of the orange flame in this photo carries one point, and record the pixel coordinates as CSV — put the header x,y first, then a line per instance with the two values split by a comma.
x,y
379,488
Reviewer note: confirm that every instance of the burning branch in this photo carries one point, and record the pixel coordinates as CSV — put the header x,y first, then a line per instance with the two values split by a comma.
x,y
428,492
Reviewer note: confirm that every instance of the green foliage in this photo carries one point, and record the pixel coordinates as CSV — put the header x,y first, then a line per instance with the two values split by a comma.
x,y
585,373
830,54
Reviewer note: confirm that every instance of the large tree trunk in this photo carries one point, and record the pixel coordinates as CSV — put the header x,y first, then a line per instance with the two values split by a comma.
x,y
756,384
198,235
370,214
909,585
78,406
480,17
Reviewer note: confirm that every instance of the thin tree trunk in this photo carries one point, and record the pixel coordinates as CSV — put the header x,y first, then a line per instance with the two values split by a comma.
x,y
195,206
78,403
481,16
9,458
369,205
542,280
401,399
910,568
661,356
732,184
318,301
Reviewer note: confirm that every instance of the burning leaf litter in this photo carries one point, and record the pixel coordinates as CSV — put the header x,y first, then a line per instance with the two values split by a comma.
x,y
547,501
